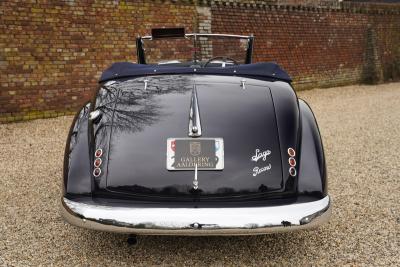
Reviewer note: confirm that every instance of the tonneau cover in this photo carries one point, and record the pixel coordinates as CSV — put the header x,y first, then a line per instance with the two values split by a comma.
x,y
266,70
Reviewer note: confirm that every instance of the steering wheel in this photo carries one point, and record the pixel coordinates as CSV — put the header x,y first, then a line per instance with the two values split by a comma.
x,y
223,59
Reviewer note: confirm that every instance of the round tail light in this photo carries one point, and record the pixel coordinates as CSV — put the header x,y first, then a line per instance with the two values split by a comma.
x,y
96,172
291,152
292,171
97,162
98,153
292,162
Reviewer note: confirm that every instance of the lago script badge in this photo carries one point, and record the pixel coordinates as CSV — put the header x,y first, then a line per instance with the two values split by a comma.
x,y
190,153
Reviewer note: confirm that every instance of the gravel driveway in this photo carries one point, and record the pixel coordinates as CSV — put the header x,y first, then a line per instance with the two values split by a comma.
x,y
360,126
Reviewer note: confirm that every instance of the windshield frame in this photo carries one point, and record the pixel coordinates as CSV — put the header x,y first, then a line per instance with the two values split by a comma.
x,y
141,56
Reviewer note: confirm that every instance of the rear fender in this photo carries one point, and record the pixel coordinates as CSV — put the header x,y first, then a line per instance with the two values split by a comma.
x,y
288,123
77,166
312,179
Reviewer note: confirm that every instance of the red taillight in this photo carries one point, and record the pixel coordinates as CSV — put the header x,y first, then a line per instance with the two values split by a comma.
x,y
292,171
292,162
96,172
98,153
291,152
97,162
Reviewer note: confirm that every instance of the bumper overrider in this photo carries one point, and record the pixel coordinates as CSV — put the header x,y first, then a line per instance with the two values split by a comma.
x,y
196,221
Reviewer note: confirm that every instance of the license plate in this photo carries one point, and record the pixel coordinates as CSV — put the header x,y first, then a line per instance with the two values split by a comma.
x,y
187,153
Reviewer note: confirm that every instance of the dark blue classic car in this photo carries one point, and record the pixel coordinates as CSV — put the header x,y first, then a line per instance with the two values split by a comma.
x,y
204,143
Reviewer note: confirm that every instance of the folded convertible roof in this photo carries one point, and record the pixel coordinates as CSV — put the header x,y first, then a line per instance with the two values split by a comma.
x,y
267,70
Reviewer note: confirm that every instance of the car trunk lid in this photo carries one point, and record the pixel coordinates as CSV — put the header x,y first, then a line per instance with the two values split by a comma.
x,y
144,119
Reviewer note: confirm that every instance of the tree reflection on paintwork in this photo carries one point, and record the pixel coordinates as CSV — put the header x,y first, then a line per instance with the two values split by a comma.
x,y
127,107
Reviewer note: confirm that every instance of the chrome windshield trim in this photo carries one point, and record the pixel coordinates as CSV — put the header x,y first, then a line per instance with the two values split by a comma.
x,y
197,221
219,35
149,37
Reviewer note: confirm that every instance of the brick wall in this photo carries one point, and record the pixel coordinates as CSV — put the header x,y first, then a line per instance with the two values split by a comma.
x,y
52,52
318,47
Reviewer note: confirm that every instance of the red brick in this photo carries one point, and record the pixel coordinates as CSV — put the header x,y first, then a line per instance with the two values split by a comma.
x,y
52,53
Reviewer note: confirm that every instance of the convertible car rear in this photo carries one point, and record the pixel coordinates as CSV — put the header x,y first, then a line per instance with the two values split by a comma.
x,y
200,147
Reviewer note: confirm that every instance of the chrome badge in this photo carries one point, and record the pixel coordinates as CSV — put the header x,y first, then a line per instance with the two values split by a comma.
x,y
195,148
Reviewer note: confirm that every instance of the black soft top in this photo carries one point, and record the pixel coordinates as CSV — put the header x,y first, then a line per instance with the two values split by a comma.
x,y
266,70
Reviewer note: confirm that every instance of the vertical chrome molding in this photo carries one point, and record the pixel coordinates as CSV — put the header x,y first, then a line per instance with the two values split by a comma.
x,y
194,115
243,84
195,181
145,84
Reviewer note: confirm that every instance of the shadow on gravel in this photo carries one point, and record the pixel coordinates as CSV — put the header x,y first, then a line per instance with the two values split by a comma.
x,y
205,250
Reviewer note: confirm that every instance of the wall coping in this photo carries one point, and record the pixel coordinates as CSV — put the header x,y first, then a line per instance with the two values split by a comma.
x,y
345,7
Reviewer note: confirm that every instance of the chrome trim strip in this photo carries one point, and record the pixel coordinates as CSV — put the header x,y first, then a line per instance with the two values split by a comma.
x,y
149,37
197,221
219,35
194,115
195,181
94,115
243,84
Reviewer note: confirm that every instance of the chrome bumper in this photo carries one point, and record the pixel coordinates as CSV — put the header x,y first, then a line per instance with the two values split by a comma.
x,y
197,221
